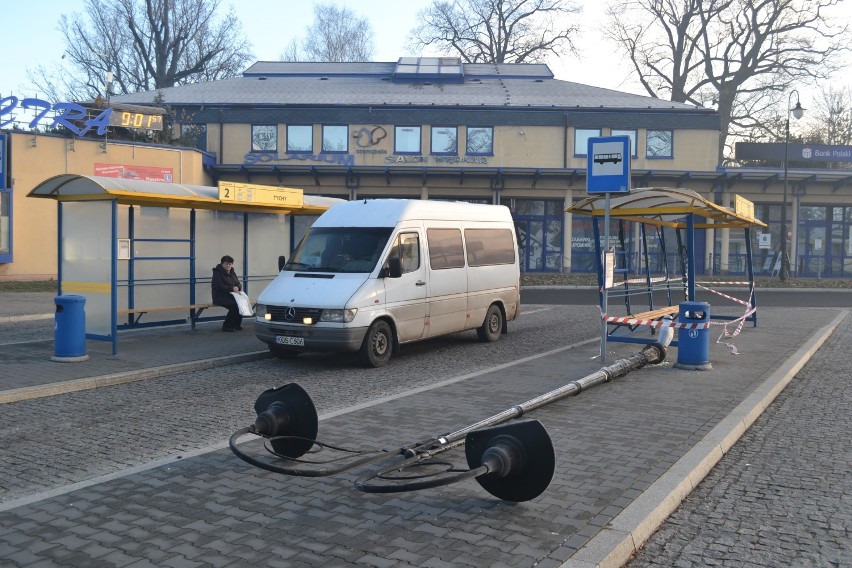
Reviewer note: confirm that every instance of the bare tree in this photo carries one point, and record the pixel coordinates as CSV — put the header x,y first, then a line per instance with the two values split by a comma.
x,y
337,34
498,31
145,45
742,55
832,117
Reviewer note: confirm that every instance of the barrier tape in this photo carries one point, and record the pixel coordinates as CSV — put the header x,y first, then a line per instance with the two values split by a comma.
x,y
740,321
654,323
723,282
737,300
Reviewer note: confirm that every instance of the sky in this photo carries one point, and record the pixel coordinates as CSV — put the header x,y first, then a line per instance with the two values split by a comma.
x,y
30,37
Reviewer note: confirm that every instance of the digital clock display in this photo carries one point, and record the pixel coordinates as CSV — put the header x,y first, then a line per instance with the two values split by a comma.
x,y
138,120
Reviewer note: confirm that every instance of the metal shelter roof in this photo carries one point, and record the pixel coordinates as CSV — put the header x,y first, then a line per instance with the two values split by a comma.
x,y
664,206
73,187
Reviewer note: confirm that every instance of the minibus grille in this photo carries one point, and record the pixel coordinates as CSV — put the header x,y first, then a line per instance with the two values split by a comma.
x,y
290,314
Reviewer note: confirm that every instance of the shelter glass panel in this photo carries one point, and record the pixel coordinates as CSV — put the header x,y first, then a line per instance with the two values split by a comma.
x,y
217,233
268,238
86,257
5,226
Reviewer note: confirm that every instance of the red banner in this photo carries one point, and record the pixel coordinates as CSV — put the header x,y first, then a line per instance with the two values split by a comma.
x,y
142,173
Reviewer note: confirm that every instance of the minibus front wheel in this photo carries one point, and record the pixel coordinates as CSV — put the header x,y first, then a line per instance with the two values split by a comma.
x,y
378,345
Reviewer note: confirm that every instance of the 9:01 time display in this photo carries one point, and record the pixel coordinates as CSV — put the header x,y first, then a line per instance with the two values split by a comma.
x,y
139,120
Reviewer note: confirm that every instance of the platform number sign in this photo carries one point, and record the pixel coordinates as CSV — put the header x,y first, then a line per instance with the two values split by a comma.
x,y
608,168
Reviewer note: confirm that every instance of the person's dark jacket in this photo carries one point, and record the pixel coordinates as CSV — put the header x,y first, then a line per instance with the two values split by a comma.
x,y
222,285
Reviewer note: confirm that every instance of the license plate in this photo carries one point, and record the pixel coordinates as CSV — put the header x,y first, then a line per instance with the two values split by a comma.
x,y
286,340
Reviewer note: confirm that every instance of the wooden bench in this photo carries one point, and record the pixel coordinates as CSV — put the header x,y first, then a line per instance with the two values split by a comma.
x,y
657,314
195,311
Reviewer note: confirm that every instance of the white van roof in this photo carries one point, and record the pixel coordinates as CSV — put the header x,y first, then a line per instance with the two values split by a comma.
x,y
388,212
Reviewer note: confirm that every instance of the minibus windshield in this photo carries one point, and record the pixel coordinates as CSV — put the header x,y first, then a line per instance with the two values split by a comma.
x,y
339,249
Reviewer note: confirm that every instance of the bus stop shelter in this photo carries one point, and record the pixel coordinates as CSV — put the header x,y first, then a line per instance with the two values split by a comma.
x,y
647,285
137,248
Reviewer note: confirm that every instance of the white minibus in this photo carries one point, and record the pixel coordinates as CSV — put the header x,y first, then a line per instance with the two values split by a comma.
x,y
371,275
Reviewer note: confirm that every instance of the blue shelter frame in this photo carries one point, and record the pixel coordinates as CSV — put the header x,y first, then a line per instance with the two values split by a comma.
x,y
682,210
88,236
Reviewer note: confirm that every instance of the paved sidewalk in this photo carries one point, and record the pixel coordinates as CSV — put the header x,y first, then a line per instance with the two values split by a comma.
x,y
627,453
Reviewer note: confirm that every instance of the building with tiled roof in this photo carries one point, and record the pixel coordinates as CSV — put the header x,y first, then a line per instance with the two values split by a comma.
x,y
499,133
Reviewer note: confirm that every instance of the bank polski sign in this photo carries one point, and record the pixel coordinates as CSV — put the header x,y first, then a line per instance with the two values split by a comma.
x,y
608,165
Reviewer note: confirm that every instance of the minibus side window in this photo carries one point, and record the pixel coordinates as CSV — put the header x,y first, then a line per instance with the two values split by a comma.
x,y
407,249
445,248
489,246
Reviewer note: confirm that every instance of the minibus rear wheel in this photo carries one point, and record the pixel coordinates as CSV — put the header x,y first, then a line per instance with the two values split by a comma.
x,y
378,345
492,327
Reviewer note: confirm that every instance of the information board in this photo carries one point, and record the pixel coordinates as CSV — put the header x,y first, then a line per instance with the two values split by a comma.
x,y
253,193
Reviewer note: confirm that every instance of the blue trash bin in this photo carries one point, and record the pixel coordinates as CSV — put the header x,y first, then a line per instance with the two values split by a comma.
x,y
69,332
693,345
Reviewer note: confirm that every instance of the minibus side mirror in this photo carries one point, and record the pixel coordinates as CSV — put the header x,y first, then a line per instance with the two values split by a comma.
x,y
282,260
392,269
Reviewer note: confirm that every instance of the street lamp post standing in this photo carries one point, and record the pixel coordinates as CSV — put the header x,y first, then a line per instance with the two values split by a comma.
x,y
797,112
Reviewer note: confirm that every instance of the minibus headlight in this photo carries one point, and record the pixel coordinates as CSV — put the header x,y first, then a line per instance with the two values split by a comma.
x,y
260,311
338,316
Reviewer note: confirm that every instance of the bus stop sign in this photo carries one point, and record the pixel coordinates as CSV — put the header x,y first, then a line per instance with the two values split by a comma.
x,y
608,169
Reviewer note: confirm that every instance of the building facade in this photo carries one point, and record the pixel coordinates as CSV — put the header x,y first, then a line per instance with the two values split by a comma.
x,y
496,133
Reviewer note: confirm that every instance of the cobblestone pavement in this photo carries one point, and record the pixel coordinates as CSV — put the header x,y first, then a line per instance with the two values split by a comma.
x,y
210,509
97,432
782,496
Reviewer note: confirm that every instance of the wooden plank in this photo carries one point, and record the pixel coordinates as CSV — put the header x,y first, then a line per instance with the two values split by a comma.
x,y
164,309
658,313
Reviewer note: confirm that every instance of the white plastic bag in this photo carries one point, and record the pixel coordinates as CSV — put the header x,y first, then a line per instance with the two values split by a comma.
x,y
243,303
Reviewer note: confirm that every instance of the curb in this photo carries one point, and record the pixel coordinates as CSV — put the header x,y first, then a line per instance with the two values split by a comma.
x,y
29,393
614,545
29,317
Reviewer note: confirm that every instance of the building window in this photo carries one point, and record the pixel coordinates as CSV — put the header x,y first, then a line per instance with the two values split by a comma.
x,y
658,144
264,138
581,139
480,140
445,140
300,138
335,138
406,140
630,134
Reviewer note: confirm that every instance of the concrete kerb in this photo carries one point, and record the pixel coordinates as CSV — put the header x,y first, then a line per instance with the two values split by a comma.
x,y
29,317
28,393
614,545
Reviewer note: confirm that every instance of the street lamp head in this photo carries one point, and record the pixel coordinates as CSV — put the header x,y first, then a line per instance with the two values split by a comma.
x,y
798,111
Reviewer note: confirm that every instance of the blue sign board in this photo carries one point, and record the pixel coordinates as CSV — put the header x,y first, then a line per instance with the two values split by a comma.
x,y
608,169
3,161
